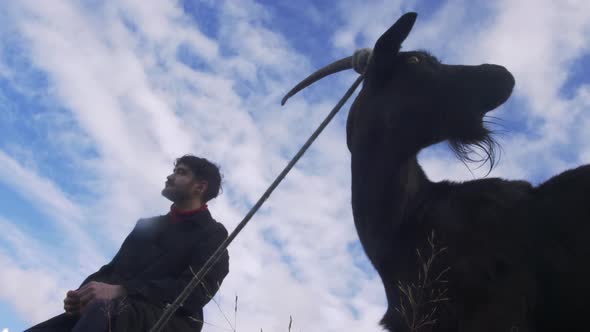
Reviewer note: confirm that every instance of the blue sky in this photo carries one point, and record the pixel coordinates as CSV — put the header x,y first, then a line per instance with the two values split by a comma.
x,y
98,98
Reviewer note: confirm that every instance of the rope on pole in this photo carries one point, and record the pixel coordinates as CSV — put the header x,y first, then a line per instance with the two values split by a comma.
x,y
196,280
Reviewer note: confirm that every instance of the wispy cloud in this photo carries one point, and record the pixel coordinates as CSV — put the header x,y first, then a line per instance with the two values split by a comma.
x,y
29,279
46,196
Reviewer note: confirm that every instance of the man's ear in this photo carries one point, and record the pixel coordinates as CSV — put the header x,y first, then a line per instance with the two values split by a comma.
x,y
201,187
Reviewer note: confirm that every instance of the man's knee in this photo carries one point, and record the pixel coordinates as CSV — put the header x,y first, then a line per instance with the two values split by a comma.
x,y
104,306
124,315
97,316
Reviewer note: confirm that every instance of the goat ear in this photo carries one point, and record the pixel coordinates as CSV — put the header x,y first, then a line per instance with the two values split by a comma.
x,y
391,40
387,48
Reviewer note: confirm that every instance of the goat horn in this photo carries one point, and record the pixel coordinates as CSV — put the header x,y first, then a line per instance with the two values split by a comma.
x,y
358,62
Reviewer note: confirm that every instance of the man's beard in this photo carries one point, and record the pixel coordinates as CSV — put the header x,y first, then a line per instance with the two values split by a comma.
x,y
175,194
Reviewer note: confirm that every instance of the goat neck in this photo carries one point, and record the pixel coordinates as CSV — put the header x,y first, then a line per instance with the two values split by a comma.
x,y
387,187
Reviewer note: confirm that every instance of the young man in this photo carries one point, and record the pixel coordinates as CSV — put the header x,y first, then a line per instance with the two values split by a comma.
x,y
154,264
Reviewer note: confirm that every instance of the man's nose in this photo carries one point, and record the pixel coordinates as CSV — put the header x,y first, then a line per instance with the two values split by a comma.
x,y
169,177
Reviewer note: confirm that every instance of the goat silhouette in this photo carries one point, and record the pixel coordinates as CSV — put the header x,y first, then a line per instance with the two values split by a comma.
x,y
483,255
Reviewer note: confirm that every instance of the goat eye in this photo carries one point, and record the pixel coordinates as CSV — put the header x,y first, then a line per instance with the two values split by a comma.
x,y
413,60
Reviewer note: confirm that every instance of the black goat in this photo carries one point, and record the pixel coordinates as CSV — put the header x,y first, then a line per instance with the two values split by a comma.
x,y
484,255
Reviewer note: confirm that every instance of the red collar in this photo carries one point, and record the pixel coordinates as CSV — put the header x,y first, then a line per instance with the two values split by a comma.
x,y
181,215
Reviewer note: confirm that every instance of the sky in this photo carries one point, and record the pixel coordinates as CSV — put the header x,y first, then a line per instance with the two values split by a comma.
x,y
97,99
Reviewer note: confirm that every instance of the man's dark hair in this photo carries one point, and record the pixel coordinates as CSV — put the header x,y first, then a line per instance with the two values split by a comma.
x,y
205,170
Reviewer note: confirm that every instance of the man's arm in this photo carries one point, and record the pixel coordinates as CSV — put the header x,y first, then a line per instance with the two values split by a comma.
x,y
95,285
100,275
166,290
105,271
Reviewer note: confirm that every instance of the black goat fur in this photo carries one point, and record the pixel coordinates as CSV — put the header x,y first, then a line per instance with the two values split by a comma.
x,y
513,257
516,258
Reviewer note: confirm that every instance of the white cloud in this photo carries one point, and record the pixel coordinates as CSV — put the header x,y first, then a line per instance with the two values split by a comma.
x,y
540,51
46,196
32,279
364,22
32,291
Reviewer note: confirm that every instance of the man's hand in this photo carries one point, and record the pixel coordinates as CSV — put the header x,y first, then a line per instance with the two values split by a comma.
x,y
72,303
76,301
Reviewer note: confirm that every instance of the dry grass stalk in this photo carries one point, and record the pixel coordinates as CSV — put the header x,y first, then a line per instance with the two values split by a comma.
x,y
235,312
208,294
419,300
107,309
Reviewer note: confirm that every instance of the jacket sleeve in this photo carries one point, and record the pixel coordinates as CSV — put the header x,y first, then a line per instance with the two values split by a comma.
x,y
166,290
104,273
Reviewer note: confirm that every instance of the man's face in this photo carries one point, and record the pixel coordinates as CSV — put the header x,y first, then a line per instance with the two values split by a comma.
x,y
181,185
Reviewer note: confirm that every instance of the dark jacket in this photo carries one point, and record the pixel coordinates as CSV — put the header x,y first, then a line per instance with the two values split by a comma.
x,y
159,258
